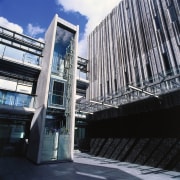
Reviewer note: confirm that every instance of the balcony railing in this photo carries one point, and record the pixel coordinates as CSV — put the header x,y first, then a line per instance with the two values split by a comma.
x,y
16,99
7,52
17,38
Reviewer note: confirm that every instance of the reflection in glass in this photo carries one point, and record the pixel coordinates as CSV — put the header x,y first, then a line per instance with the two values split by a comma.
x,y
58,65
19,55
58,91
81,74
56,144
62,41
16,99
56,95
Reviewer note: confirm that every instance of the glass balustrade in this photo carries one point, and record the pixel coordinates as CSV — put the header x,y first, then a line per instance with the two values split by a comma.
x,y
16,99
9,52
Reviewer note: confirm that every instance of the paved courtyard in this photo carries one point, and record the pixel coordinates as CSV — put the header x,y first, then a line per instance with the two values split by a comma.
x,y
84,167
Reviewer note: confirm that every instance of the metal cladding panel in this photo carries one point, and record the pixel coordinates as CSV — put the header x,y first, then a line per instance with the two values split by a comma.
x,y
136,41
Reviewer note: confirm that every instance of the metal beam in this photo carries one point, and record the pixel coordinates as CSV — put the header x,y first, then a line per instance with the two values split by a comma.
x,y
143,91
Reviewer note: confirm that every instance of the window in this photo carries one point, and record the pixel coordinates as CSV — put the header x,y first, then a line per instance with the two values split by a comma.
x,y
57,93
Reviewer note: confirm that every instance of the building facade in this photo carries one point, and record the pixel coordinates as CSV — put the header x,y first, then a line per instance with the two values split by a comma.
x,y
137,44
20,59
134,66
44,72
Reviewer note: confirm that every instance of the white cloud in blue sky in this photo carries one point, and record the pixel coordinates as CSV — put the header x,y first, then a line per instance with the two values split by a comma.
x,y
31,30
14,27
34,30
94,10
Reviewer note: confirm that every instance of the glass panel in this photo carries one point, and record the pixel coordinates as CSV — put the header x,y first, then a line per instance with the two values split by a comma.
x,y
58,88
2,48
13,53
56,144
30,58
82,75
17,132
12,138
9,99
63,38
24,100
57,100
58,65
57,93
62,41
19,55
49,151
16,99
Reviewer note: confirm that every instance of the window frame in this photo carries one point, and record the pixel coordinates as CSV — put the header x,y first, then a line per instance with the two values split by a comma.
x,y
50,101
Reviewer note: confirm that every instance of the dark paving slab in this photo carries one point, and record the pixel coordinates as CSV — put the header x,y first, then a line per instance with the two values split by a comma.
x,y
14,168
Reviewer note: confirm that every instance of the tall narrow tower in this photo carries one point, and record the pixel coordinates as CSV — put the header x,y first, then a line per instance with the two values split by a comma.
x,y
52,128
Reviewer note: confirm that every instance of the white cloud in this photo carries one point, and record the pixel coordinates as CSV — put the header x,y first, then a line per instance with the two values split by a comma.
x,y
63,35
34,30
41,39
94,10
14,27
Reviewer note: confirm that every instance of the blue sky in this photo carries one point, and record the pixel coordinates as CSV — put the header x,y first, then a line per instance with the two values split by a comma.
x,y
24,12
32,17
